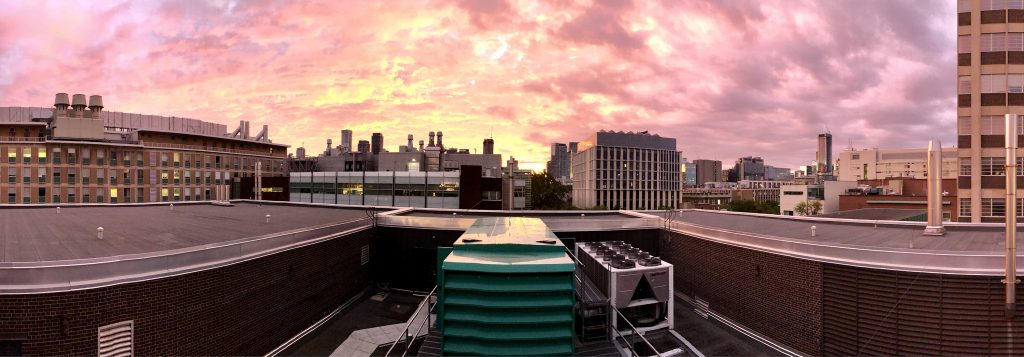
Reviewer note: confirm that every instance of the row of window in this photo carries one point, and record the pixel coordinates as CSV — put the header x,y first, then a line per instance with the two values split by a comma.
x,y
72,176
990,5
993,83
993,42
990,166
990,207
71,156
988,125
104,195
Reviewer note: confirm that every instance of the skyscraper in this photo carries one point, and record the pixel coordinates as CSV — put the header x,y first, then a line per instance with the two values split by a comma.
x,y
824,157
558,165
708,171
346,140
377,143
488,146
749,168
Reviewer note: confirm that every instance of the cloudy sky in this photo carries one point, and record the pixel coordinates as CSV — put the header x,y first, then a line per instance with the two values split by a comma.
x,y
726,78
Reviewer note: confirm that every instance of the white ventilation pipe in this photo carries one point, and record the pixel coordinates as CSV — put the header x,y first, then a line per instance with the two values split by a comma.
x,y
934,227
58,210
814,231
1011,215
99,232
172,207
268,218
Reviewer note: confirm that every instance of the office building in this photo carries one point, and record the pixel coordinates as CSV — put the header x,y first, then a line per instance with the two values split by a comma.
x,y
708,171
489,146
621,170
346,140
559,166
516,187
689,173
749,168
777,173
377,143
875,164
79,153
824,155
364,147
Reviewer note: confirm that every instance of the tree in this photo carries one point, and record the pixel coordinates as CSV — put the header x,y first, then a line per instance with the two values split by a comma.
x,y
808,208
547,193
742,205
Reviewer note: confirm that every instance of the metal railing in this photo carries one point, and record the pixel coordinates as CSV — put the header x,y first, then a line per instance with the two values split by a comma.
x,y
209,148
632,337
405,332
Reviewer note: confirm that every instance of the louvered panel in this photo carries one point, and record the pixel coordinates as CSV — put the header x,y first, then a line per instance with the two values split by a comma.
x,y
116,340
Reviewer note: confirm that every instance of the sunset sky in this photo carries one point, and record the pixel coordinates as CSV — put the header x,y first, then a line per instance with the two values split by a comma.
x,y
726,78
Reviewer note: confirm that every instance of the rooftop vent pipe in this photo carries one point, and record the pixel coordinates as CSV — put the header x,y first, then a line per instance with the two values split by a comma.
x,y
78,102
1011,216
934,227
95,103
61,101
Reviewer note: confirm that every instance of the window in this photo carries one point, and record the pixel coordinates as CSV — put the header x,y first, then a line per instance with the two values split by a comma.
x,y
113,195
993,83
1015,83
993,125
993,166
12,174
163,194
163,160
1015,41
1020,167
993,207
989,5
963,44
12,155
1015,4
163,177
965,166
963,126
41,154
86,158
56,156
964,86
993,42
26,155
41,176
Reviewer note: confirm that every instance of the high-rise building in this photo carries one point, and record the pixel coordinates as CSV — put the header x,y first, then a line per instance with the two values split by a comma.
x,y
990,84
376,143
621,170
558,165
300,153
749,168
824,156
364,146
873,164
777,173
708,171
346,140
79,153
689,173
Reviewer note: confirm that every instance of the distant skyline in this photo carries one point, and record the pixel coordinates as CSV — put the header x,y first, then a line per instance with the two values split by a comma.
x,y
726,78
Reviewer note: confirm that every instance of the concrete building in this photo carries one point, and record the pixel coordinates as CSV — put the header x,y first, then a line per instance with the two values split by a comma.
x,y
622,170
749,168
377,143
79,153
364,147
874,164
990,84
905,194
824,155
516,187
826,192
489,146
708,171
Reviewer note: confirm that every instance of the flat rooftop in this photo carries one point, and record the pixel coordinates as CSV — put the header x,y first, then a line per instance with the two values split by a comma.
x,y
958,238
37,234
420,212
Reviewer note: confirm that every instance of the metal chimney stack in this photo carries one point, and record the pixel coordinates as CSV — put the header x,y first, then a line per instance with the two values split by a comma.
x,y
431,135
1011,215
934,227
409,146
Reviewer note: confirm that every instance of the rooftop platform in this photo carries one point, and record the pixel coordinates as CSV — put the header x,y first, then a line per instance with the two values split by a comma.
x,y
42,250
37,234
557,221
972,249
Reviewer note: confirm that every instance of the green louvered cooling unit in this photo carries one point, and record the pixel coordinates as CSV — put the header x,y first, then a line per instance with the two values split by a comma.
x,y
506,288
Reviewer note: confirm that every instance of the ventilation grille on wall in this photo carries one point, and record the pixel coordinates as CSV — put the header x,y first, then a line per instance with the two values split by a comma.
x,y
115,340
364,255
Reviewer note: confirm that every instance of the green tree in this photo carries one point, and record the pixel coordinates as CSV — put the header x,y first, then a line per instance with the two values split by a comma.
x,y
808,208
546,193
800,208
742,205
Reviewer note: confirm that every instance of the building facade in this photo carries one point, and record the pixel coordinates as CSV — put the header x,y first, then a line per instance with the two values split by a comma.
x,y
876,164
559,165
990,84
621,170
71,154
689,173
749,168
824,155
708,171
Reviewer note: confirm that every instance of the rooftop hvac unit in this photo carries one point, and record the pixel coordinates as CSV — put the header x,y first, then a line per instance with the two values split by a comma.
x,y
636,283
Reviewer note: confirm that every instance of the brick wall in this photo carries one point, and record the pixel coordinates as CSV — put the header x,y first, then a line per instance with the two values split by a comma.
x,y
242,309
777,296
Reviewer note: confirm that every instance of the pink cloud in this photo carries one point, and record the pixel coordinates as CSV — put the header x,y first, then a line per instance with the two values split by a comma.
x,y
728,79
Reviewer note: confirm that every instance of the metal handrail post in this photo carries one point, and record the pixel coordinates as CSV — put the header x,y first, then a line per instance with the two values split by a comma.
x,y
407,324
